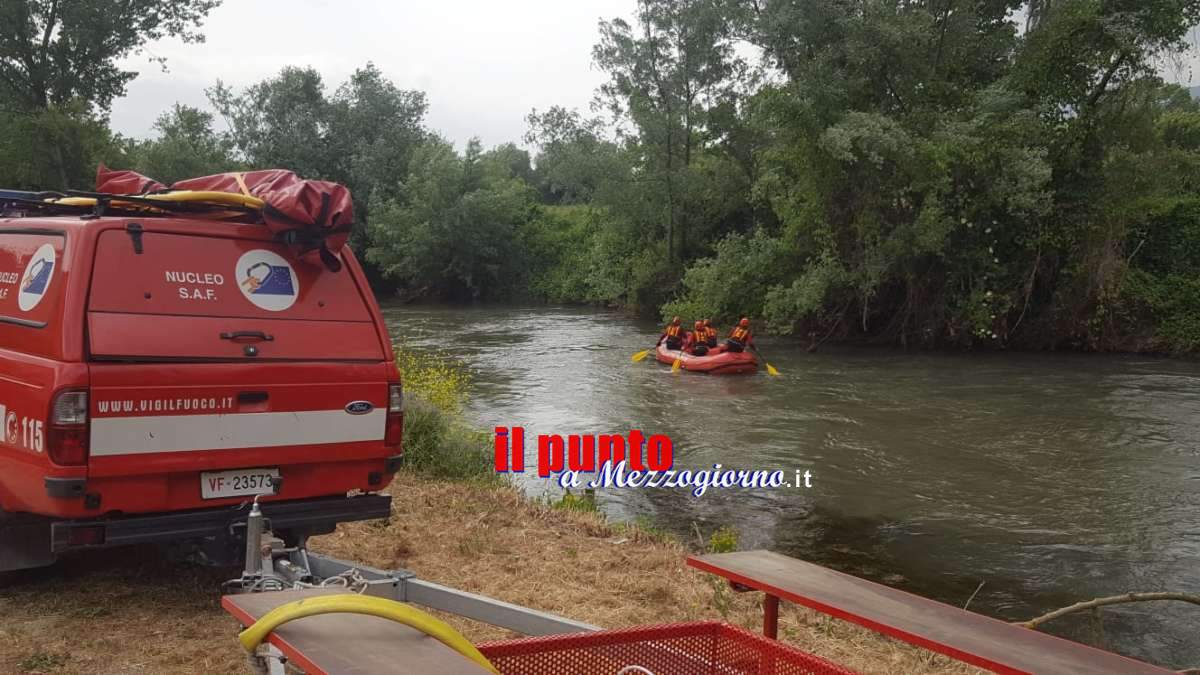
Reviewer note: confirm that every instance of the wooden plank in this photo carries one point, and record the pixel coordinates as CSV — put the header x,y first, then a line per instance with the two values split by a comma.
x,y
967,636
349,644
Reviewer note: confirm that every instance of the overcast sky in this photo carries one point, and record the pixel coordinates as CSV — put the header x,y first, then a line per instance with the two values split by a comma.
x,y
483,63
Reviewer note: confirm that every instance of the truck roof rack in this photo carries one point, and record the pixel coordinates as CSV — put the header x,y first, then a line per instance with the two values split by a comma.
x,y
215,205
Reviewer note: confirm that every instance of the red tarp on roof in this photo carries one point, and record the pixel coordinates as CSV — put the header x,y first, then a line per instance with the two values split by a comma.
x,y
314,215
124,182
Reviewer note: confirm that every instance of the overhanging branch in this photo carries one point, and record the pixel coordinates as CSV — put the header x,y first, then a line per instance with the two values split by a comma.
x,y
1102,86
1111,600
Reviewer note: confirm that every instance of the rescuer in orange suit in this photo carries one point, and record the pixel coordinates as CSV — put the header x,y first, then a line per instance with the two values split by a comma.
x,y
673,335
739,337
710,334
698,340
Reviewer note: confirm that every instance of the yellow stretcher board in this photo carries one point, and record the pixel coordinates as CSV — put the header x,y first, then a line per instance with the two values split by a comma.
x,y
178,197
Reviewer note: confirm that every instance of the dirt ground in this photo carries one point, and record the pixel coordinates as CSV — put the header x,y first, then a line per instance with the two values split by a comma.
x,y
133,611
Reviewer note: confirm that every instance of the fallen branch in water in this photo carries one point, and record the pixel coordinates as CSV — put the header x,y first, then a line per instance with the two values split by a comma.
x,y
1111,600
977,589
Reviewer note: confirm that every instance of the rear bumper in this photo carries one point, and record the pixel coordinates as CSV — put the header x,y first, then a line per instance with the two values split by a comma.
x,y
145,488
301,518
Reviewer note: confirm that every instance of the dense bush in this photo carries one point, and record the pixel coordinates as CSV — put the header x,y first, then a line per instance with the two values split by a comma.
x,y
436,440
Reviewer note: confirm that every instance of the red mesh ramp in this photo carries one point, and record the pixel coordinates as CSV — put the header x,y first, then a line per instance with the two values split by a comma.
x,y
698,648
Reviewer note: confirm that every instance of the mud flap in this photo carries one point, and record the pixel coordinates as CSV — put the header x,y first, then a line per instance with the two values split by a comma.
x,y
24,543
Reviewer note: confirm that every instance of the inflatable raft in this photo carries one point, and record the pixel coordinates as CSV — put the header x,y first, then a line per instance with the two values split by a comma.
x,y
716,362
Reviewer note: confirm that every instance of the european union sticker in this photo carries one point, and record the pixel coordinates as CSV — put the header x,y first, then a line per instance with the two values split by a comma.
x,y
39,274
270,279
39,277
267,280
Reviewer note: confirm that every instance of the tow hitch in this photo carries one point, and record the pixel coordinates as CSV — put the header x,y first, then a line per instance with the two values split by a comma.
x,y
271,566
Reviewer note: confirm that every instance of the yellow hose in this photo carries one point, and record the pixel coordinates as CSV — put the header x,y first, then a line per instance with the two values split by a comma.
x,y
370,606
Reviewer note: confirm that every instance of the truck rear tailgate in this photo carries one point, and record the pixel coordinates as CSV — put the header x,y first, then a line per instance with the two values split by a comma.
x,y
219,363
182,297
139,428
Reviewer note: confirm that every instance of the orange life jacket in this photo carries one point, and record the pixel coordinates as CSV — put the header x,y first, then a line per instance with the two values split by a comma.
x,y
710,333
699,336
740,334
673,330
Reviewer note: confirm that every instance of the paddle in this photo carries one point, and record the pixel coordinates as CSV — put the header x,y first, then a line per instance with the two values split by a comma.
x,y
771,370
641,356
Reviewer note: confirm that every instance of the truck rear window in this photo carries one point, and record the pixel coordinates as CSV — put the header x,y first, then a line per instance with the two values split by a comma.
x,y
210,297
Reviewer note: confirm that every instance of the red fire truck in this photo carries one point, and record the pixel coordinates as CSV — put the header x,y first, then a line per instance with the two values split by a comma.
x,y
165,357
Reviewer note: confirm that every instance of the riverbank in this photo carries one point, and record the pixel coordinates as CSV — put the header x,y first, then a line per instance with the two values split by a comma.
x,y
491,539
132,611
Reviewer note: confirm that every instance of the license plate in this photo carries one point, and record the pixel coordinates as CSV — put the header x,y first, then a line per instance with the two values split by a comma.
x,y
237,483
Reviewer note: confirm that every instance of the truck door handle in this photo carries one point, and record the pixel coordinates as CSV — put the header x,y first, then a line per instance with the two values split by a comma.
x,y
238,335
252,397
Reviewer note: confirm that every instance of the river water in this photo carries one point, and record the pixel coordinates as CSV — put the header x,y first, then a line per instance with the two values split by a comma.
x,y
1049,479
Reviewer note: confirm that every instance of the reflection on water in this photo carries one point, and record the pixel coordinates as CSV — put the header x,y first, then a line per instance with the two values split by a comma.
x,y
1049,478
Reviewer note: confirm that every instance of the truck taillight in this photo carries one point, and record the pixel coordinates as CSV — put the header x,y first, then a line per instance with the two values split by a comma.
x,y
67,437
395,416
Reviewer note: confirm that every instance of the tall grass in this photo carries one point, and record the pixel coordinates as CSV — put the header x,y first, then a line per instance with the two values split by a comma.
x,y
437,442
438,379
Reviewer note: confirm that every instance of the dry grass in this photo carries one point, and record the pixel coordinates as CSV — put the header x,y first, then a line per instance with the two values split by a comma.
x,y
494,541
124,611
90,615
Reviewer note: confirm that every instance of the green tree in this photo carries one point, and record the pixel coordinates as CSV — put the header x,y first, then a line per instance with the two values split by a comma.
x,y
666,72
187,146
927,173
373,129
59,64
363,136
450,228
575,161
1089,69
40,148
282,121
53,52
558,246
